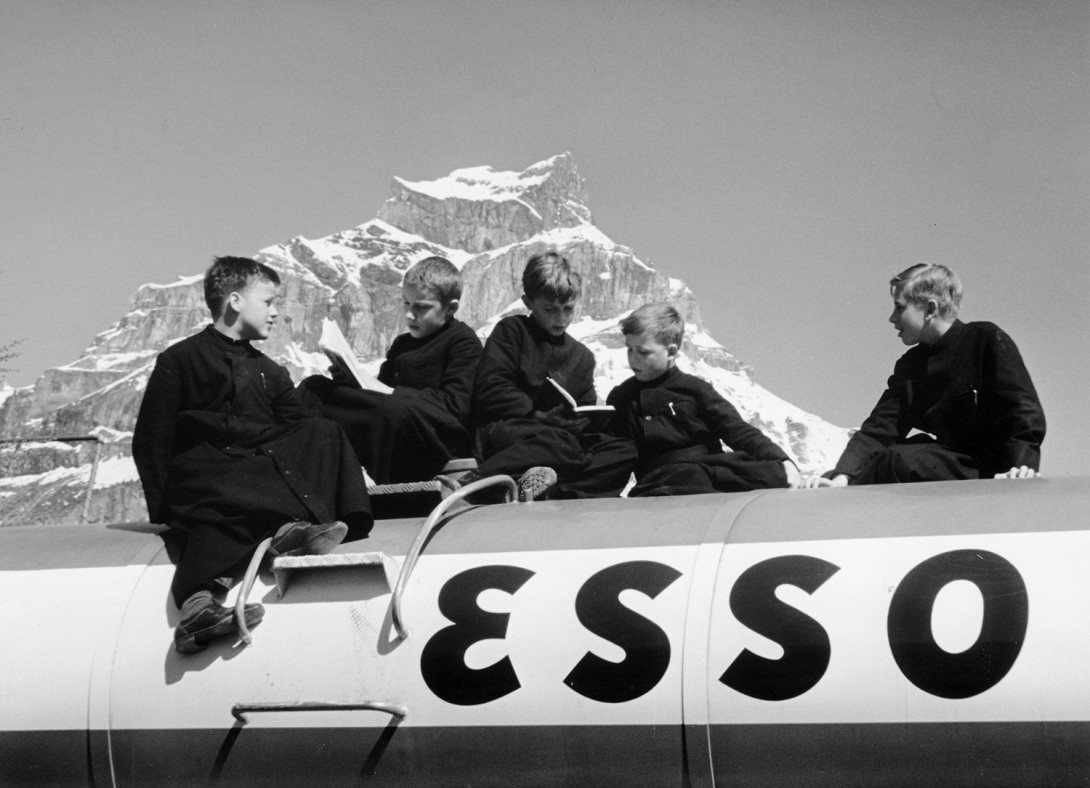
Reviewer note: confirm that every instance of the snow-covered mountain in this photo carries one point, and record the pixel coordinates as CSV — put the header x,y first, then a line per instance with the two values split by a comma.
x,y
487,222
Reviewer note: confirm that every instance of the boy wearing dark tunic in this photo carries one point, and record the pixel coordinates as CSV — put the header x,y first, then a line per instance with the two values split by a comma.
x,y
524,428
414,418
228,456
963,387
678,421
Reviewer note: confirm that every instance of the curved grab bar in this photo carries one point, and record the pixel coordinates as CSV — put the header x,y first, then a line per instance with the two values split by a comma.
x,y
425,531
399,710
244,591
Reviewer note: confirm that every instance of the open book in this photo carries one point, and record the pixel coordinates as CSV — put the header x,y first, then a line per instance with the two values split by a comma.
x,y
336,347
579,408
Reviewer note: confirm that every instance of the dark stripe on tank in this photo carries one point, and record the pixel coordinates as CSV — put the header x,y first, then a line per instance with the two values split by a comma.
x,y
848,754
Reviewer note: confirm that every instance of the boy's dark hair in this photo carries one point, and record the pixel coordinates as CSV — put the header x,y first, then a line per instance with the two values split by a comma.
x,y
660,321
923,281
229,275
436,276
550,275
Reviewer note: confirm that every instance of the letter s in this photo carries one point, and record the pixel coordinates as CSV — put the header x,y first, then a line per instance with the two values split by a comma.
x,y
805,643
646,646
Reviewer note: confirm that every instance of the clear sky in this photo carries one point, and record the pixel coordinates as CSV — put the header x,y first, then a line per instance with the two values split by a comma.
x,y
783,158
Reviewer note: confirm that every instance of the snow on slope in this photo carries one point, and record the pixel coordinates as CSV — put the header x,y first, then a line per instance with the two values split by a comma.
x,y
481,208
477,183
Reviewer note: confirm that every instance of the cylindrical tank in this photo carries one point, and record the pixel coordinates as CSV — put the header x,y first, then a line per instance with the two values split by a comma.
x,y
896,635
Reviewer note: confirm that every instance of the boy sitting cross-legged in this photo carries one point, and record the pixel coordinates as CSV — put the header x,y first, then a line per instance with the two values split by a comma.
x,y
521,430
677,420
228,456
408,429
964,386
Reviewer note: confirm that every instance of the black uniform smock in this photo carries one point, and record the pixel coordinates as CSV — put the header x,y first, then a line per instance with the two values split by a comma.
x,y
518,357
226,452
677,422
410,434
972,392
512,391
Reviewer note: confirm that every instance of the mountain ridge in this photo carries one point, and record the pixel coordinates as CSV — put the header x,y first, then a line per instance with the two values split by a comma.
x,y
487,222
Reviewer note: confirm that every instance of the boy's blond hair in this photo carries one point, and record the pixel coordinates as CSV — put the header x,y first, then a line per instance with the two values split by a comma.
x,y
551,276
925,281
436,276
659,321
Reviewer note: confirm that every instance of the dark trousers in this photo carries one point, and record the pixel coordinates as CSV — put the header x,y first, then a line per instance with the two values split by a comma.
x,y
919,459
397,439
225,502
733,471
587,465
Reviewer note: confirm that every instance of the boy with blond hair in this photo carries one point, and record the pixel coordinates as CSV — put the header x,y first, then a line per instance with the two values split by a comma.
x,y
678,421
416,420
523,428
963,386
227,455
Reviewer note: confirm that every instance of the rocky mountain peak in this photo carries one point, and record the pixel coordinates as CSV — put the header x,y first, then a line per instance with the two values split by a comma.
x,y
478,209
487,222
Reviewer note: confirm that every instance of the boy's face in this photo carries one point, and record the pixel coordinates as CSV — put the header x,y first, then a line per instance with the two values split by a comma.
x,y
909,319
256,308
649,358
425,314
552,317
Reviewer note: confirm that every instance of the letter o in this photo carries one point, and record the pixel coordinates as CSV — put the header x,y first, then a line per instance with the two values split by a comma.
x,y
988,660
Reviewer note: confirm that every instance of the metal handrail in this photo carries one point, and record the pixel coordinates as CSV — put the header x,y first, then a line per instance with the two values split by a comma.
x,y
48,438
244,590
399,710
422,536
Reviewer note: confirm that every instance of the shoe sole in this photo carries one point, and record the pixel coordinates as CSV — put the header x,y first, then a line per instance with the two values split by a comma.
x,y
328,540
322,542
291,536
536,481
198,641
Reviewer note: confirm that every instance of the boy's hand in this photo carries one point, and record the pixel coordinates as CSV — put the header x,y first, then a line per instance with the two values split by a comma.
x,y
794,477
817,480
554,418
340,377
548,416
1022,472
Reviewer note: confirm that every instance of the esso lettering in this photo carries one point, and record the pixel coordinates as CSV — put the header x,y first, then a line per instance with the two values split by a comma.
x,y
752,601
805,643
647,647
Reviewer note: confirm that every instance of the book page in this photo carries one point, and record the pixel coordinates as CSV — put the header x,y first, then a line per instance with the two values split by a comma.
x,y
563,393
579,408
336,347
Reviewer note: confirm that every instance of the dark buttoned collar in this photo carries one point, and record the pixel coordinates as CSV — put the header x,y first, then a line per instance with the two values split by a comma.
x,y
236,345
666,376
412,341
949,338
538,334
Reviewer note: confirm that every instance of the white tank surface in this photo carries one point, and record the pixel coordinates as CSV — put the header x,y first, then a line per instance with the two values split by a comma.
x,y
892,635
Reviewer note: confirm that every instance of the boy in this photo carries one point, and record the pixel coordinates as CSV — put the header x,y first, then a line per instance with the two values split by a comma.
x,y
677,420
964,383
519,423
227,454
410,429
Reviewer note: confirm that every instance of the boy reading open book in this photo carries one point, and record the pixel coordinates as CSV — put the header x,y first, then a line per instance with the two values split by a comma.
x,y
576,407
346,368
521,418
410,420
